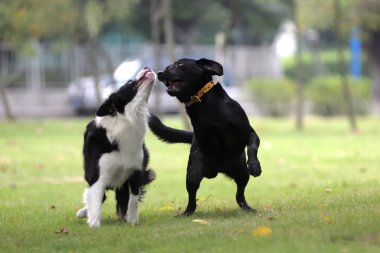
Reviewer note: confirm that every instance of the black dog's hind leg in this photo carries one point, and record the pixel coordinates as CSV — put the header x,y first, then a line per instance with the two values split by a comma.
x,y
122,199
253,163
193,178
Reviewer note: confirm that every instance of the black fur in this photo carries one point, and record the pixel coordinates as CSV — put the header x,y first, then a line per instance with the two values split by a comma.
x,y
221,129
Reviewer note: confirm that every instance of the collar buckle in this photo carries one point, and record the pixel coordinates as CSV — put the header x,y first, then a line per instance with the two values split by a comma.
x,y
197,97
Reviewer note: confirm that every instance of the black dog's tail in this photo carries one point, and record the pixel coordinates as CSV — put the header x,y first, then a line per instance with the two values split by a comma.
x,y
168,134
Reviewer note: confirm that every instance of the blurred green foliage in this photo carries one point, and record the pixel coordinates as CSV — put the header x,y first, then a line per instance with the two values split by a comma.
x,y
325,63
325,93
273,97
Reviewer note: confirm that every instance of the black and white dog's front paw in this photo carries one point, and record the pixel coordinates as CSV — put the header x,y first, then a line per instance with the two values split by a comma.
x,y
94,220
82,213
254,168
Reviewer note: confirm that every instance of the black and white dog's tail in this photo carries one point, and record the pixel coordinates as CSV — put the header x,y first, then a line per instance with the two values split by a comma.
x,y
168,134
149,176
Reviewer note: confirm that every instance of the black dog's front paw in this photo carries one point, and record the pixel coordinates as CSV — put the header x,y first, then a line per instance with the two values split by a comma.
x,y
187,213
245,207
254,168
249,209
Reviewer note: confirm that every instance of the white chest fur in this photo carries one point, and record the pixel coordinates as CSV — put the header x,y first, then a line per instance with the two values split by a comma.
x,y
117,166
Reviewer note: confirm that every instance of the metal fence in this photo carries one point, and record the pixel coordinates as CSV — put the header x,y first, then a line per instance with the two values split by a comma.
x,y
51,65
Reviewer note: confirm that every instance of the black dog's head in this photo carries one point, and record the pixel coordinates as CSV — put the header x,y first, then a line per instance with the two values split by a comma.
x,y
185,77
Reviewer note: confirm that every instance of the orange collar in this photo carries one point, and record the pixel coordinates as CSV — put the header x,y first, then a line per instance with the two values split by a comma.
x,y
197,97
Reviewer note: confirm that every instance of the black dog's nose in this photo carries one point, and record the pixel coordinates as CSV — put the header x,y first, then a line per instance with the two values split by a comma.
x,y
160,74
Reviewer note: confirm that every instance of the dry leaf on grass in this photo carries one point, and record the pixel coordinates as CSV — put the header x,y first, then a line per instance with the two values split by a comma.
x,y
327,219
63,231
261,231
166,208
203,222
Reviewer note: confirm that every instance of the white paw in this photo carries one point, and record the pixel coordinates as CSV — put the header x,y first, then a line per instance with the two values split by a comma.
x,y
94,222
133,218
82,213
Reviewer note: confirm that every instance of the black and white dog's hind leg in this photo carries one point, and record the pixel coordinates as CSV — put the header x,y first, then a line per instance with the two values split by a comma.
x,y
122,199
132,191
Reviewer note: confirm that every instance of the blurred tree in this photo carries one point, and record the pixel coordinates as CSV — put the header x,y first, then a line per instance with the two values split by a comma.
x,y
362,13
253,22
299,69
343,65
340,16
369,20
247,22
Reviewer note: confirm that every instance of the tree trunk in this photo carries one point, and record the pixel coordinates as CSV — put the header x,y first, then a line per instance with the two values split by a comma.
x,y
375,76
373,51
299,72
343,67
7,109
169,37
93,58
155,17
4,65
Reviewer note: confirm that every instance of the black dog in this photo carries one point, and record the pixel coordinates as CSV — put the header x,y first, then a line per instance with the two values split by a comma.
x,y
221,128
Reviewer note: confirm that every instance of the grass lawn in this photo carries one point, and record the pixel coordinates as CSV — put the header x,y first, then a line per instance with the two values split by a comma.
x,y
319,192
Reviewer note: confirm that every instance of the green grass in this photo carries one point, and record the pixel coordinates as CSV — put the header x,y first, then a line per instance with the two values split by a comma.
x,y
319,192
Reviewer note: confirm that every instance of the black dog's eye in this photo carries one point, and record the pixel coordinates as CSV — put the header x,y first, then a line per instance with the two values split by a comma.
x,y
178,64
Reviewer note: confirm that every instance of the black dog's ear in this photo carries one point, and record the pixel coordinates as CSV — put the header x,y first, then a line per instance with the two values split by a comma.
x,y
107,108
212,67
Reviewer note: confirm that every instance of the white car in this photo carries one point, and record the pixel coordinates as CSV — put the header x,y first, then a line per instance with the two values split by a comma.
x,y
82,95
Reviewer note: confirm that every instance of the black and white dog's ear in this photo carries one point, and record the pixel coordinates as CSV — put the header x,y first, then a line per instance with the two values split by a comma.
x,y
213,67
107,108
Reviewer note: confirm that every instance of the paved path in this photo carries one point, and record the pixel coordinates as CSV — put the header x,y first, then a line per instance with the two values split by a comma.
x,y
51,102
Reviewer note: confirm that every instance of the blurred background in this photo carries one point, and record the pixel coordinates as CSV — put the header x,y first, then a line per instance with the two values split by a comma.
x,y
281,57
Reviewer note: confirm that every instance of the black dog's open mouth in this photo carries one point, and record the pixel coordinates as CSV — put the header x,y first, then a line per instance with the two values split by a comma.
x,y
173,86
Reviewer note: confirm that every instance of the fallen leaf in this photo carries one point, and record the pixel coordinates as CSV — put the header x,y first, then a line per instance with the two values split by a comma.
x,y
328,190
261,231
203,222
201,201
39,131
63,231
166,208
178,211
327,219
40,166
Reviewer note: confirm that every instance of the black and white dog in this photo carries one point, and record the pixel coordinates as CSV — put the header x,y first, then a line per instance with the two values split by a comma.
x,y
115,156
221,128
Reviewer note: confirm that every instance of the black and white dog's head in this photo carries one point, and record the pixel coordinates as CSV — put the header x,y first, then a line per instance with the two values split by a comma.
x,y
130,98
186,76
